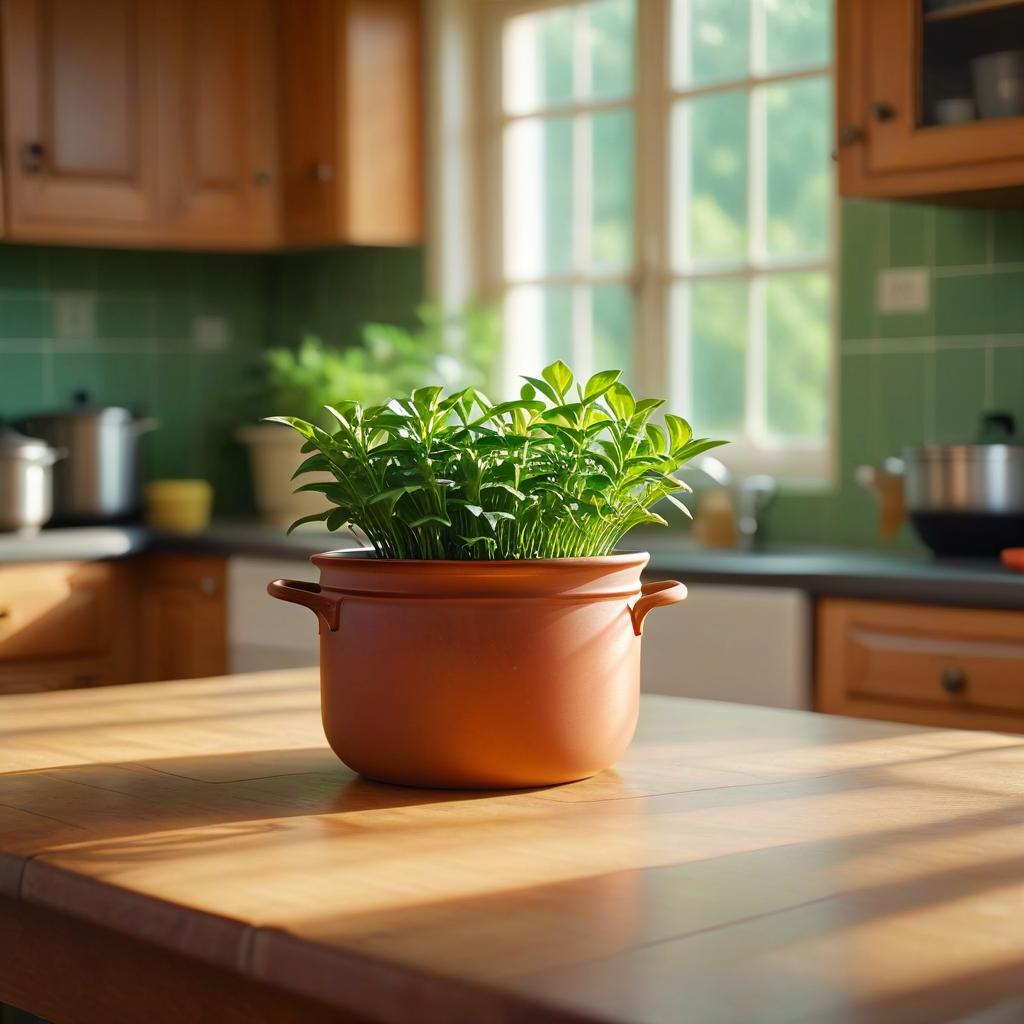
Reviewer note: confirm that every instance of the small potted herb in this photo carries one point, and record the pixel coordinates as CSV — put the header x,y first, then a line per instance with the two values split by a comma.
x,y
489,635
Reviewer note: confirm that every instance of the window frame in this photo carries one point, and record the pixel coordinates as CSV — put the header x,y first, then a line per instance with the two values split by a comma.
x,y
659,366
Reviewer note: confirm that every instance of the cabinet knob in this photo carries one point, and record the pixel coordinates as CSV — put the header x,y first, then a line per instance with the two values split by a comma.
x,y
261,178
882,111
207,586
953,679
32,158
321,172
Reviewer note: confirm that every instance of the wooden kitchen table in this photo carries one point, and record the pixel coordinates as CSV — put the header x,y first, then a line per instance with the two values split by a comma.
x,y
194,852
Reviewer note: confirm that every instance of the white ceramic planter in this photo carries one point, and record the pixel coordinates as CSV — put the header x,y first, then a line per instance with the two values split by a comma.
x,y
274,451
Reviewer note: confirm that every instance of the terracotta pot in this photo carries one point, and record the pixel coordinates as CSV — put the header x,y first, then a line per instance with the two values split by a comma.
x,y
479,674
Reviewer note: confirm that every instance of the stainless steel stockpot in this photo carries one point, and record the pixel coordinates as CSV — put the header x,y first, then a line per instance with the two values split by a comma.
x,y
26,467
964,478
99,480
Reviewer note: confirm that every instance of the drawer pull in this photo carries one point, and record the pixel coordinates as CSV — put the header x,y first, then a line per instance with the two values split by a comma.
x,y
953,680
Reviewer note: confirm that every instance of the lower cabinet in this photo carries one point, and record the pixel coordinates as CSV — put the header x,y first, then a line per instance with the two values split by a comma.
x,y
62,624
182,632
75,624
956,667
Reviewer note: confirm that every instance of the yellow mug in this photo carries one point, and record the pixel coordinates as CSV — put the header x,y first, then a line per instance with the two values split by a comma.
x,y
179,506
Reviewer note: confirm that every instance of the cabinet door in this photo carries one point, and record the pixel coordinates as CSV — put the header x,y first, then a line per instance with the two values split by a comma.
x,y
351,149
895,61
957,667
218,121
63,624
183,628
80,95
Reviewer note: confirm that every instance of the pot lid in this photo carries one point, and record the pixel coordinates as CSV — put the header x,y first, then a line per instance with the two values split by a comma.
x,y
972,452
84,408
13,444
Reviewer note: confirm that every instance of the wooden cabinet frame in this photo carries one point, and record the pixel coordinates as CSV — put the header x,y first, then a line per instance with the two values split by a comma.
x,y
878,58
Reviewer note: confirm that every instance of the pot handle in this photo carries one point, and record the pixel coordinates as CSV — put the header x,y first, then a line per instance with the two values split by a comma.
x,y
654,595
309,595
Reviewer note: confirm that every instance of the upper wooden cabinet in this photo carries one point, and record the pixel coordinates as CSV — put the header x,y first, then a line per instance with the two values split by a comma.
x,y
218,120
899,63
80,91
352,121
165,122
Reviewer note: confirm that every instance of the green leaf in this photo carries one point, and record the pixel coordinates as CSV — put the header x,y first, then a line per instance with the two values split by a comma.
x,y
620,400
599,384
527,392
508,488
314,464
656,437
300,426
337,519
679,432
392,494
544,388
432,517
559,376
316,517
426,398
698,447
679,505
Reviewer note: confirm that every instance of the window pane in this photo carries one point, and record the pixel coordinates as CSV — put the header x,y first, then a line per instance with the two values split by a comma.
x,y
797,327
611,243
799,169
537,59
798,33
717,321
612,324
538,196
611,49
709,150
538,328
710,41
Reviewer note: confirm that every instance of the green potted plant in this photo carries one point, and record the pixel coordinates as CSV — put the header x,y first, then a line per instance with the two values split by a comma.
x,y
489,634
458,348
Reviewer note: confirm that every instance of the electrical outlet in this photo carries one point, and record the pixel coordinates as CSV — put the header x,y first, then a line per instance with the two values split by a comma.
x,y
74,315
211,333
903,290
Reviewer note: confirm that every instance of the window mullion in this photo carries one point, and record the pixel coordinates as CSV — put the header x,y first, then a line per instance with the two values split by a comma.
x,y
757,201
654,357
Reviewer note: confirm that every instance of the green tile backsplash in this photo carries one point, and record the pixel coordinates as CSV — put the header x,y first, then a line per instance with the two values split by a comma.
x,y
179,335
176,335
912,379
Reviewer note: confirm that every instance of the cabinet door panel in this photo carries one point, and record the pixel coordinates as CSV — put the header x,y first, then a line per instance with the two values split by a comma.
x,y
218,133
899,141
80,84
960,667
310,158
182,617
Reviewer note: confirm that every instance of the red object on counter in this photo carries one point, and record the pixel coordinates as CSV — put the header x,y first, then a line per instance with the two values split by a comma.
x,y
1013,558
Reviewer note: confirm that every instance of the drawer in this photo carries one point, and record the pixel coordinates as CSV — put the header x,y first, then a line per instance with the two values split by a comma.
x,y
938,666
57,609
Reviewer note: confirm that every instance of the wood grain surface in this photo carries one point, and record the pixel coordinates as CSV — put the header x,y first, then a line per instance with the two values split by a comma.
x,y
740,864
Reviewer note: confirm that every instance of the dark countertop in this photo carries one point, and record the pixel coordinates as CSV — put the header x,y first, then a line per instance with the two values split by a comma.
x,y
833,572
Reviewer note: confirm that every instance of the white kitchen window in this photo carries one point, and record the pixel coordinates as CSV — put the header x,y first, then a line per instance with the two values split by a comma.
x,y
654,191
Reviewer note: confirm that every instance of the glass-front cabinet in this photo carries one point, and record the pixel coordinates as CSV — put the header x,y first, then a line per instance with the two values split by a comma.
x,y
930,99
